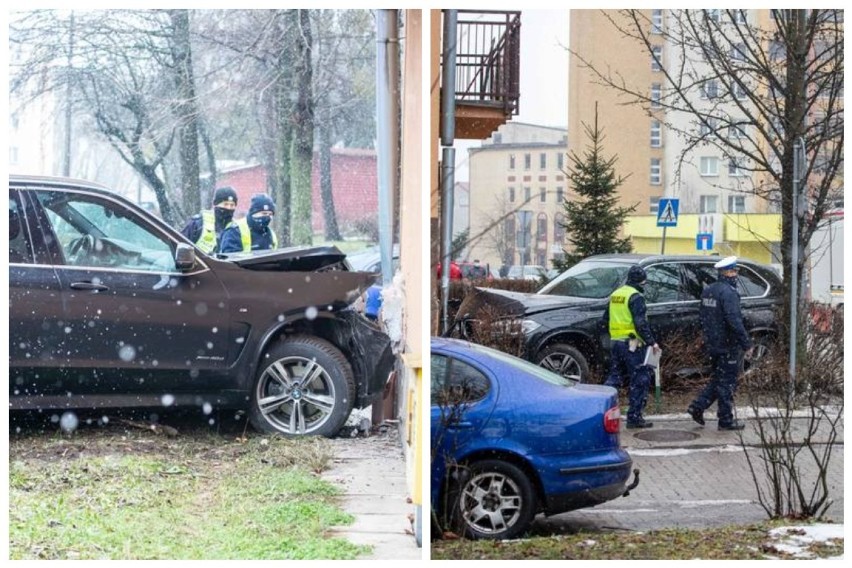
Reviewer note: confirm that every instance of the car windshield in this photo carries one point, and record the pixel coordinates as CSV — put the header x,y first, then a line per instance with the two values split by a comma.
x,y
588,279
525,366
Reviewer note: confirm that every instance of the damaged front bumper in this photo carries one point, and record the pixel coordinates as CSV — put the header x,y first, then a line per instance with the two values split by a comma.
x,y
369,352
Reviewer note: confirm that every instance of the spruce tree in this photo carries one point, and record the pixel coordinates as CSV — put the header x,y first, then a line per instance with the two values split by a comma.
x,y
593,216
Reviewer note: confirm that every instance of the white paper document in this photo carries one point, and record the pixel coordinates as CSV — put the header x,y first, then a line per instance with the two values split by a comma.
x,y
652,359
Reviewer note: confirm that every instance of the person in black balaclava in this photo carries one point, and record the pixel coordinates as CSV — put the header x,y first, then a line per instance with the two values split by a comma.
x,y
205,229
725,339
254,232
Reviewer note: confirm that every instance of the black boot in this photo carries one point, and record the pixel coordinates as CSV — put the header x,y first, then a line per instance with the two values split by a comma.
x,y
696,413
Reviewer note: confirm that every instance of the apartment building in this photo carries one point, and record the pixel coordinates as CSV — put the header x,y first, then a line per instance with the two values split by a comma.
x,y
518,184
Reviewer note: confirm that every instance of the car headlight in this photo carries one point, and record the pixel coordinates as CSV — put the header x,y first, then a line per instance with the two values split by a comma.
x,y
529,326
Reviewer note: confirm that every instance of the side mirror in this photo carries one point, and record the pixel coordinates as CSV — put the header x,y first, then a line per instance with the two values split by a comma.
x,y
184,257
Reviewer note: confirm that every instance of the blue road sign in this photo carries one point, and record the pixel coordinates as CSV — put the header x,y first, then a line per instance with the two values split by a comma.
x,y
667,212
704,241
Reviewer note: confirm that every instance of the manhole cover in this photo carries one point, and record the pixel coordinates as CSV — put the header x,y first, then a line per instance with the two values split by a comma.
x,y
666,436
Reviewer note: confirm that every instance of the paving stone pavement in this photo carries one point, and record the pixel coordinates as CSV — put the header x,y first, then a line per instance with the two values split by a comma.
x,y
371,472
699,483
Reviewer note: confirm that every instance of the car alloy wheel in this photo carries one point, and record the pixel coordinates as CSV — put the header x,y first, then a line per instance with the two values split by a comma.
x,y
565,360
496,501
304,387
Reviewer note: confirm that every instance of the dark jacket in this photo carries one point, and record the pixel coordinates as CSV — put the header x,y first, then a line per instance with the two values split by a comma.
x,y
722,319
639,311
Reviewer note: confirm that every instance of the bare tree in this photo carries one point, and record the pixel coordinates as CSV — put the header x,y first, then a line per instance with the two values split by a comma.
x,y
752,92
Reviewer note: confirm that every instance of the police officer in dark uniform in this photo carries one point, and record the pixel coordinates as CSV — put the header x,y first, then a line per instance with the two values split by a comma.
x,y
205,229
254,232
629,333
725,339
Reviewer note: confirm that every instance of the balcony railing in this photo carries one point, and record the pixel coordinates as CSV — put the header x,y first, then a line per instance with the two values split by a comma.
x,y
488,57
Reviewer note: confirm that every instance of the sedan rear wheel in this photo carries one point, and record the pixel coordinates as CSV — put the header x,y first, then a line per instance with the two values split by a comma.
x,y
565,360
304,387
496,501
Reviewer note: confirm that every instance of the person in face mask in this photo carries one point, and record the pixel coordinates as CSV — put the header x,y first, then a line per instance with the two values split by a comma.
x,y
205,229
254,232
725,339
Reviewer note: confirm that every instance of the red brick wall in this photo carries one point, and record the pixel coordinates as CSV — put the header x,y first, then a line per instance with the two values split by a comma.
x,y
354,186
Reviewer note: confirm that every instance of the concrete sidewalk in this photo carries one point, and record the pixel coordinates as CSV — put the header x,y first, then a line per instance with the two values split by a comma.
x,y
679,430
371,472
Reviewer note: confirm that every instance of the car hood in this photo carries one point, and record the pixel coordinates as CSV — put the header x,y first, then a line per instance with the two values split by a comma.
x,y
508,303
299,259
303,276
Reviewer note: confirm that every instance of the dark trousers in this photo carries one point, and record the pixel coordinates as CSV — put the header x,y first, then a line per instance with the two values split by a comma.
x,y
628,364
726,367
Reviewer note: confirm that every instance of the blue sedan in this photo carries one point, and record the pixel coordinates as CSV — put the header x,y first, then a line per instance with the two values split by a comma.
x,y
511,439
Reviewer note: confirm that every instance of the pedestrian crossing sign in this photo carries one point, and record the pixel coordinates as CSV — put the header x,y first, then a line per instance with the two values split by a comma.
x,y
667,212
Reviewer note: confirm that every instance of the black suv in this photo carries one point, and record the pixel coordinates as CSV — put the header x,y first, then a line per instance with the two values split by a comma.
x,y
562,326
110,307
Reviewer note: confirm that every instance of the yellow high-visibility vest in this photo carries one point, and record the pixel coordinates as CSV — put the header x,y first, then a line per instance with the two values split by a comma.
x,y
207,240
245,235
620,319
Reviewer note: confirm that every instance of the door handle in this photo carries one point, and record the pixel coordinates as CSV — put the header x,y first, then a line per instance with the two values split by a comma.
x,y
461,426
89,286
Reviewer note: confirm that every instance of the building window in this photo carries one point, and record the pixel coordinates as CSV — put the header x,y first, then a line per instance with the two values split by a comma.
x,y
542,161
13,155
738,52
560,161
735,168
739,92
542,194
708,127
710,89
511,161
740,16
712,15
656,95
708,204
656,134
656,22
656,172
657,58
527,194
511,194
709,166
498,138
541,227
736,204
654,205
737,131
559,228
560,196
527,161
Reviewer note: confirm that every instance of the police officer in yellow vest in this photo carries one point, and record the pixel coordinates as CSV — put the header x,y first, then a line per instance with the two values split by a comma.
x,y
254,232
630,333
205,229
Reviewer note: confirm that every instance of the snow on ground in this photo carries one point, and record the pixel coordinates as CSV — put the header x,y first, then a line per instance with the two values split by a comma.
x,y
795,539
668,452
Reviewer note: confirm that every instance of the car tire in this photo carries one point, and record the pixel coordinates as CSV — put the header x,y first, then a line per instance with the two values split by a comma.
x,y
304,386
500,489
564,359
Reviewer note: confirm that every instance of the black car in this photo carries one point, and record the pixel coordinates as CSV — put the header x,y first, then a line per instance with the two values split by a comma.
x,y
562,323
110,307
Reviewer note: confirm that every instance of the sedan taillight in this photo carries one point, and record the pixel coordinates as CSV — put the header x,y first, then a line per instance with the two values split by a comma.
x,y
612,420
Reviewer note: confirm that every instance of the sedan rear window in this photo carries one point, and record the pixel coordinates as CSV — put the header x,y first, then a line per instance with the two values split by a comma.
x,y
525,366
588,279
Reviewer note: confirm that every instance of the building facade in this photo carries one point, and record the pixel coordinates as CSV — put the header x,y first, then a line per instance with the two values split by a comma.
x,y
518,185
